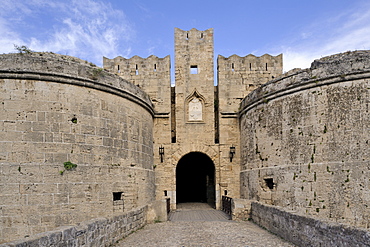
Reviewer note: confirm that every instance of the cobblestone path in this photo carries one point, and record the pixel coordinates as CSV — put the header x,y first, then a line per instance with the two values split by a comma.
x,y
197,212
198,231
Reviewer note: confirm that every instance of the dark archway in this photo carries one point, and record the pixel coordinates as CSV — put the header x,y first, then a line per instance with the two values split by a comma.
x,y
195,179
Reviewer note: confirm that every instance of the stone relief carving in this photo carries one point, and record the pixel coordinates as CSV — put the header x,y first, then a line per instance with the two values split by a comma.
x,y
195,110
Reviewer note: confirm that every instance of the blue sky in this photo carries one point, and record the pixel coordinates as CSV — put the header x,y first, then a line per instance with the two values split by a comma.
x,y
303,30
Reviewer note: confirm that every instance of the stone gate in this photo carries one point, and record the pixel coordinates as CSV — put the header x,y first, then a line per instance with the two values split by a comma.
x,y
292,149
195,115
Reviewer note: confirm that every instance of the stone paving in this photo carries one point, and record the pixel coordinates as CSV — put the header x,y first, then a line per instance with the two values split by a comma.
x,y
197,212
199,231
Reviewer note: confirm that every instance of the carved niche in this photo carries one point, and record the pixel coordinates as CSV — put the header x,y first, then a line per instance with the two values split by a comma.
x,y
195,104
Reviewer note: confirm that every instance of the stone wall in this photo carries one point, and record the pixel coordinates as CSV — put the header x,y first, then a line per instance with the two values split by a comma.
x,y
305,140
237,77
306,231
55,109
153,76
96,232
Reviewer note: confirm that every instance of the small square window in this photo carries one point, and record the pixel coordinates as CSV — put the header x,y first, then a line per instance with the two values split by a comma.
x,y
117,196
194,69
269,183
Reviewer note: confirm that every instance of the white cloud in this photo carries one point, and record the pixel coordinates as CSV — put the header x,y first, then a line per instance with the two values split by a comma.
x,y
347,32
9,37
88,29
294,59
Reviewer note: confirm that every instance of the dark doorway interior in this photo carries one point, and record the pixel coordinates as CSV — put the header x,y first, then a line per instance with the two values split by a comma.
x,y
195,179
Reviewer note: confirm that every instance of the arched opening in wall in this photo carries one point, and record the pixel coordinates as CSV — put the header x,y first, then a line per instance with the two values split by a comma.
x,y
195,179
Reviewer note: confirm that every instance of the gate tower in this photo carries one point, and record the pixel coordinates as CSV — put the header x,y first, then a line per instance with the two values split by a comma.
x,y
196,129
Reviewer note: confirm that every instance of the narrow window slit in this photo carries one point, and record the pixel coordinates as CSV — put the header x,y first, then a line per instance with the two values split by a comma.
x,y
136,71
155,67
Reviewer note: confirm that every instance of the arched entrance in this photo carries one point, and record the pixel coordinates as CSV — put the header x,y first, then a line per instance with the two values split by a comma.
x,y
195,179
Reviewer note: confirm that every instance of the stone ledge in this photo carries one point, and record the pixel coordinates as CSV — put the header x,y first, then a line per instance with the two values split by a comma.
x,y
229,114
69,70
305,231
95,232
241,209
338,68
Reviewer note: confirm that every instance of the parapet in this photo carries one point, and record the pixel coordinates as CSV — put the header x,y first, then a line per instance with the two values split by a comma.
x,y
70,70
136,65
347,62
194,35
327,70
250,62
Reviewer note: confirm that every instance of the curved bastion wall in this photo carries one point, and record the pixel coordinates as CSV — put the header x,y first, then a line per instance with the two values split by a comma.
x,y
305,140
55,109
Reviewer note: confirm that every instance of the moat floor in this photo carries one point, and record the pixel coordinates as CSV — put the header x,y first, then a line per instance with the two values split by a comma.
x,y
200,225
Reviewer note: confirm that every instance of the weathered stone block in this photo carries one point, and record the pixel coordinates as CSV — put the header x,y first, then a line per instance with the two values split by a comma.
x,y
33,136
60,198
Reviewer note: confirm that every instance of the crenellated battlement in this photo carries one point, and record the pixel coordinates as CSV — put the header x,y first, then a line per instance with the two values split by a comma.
x,y
152,74
137,66
238,76
194,35
250,63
